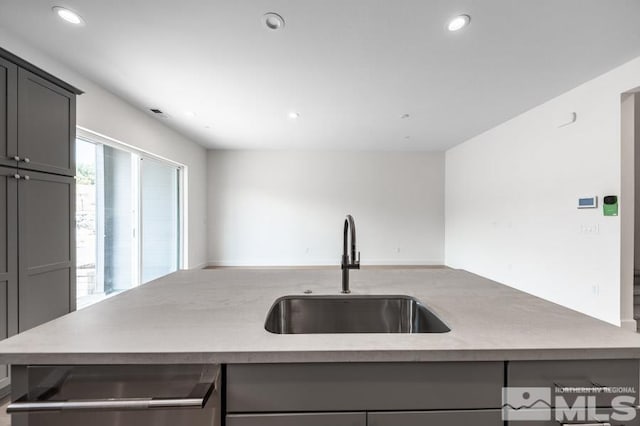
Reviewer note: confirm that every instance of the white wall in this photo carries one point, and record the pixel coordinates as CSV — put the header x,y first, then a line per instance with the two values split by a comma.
x,y
100,111
288,208
511,196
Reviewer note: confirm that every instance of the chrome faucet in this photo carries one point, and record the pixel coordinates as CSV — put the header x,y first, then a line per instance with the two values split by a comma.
x,y
347,263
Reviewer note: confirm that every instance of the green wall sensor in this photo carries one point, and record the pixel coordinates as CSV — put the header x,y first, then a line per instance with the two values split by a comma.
x,y
610,205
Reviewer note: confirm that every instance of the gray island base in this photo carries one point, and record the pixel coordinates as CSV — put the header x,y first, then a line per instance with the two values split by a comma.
x,y
191,349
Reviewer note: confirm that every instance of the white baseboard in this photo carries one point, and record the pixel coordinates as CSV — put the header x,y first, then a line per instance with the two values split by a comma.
x,y
629,324
321,263
200,266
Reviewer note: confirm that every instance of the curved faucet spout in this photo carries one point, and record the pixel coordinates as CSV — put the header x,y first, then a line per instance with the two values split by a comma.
x,y
353,263
350,224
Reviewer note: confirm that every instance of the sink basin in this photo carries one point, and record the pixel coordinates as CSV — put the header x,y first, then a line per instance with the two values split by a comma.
x,y
351,314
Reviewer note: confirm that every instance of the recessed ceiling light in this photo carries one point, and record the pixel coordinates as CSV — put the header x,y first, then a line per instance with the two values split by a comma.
x,y
190,114
459,22
273,21
294,115
404,116
68,15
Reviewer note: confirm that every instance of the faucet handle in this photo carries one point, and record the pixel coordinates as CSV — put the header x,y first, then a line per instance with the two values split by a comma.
x,y
357,262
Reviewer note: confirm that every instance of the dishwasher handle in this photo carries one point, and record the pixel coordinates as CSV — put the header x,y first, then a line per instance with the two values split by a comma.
x,y
23,405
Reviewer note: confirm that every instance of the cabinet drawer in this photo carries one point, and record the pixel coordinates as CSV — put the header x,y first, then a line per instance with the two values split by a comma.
x,y
306,419
448,418
611,419
604,379
363,386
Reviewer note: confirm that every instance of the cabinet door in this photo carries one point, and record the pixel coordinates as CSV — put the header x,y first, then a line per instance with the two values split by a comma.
x,y
580,417
8,261
8,113
46,257
615,373
436,418
302,419
46,125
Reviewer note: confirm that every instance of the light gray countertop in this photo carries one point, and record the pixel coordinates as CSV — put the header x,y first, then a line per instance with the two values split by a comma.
x,y
207,316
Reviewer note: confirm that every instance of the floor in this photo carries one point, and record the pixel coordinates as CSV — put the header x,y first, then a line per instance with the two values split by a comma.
x,y
5,419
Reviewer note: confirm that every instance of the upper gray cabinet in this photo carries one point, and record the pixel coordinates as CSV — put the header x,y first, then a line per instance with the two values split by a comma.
x,y
8,113
46,125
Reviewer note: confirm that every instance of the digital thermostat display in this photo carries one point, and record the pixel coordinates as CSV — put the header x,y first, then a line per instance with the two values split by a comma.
x,y
588,203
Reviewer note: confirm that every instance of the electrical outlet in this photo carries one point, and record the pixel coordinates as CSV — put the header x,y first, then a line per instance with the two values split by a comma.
x,y
590,229
308,250
397,249
595,289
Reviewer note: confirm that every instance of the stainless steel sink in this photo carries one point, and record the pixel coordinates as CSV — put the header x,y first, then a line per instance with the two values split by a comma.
x,y
351,314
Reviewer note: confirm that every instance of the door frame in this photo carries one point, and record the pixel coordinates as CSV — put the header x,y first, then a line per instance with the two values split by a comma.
x,y
630,203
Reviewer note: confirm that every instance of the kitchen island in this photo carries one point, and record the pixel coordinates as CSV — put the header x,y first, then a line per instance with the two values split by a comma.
x,y
499,337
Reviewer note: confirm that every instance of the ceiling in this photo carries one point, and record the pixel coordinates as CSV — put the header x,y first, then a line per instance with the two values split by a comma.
x,y
351,69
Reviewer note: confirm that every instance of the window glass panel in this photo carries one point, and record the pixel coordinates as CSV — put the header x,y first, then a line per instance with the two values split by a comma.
x,y
120,221
160,220
88,286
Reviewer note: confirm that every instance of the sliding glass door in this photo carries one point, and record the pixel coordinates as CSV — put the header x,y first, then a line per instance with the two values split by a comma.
x,y
128,220
119,219
87,223
159,186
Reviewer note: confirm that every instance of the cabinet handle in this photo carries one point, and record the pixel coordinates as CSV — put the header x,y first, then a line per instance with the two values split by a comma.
x,y
197,398
16,158
26,177
26,160
17,176
106,404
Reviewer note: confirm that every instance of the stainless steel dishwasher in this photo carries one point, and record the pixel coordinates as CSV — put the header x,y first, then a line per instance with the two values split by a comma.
x,y
116,395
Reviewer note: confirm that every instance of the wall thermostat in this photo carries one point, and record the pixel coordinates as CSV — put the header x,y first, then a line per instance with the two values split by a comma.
x,y
610,205
588,202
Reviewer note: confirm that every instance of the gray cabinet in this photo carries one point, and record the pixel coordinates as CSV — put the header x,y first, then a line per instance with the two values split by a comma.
x,y
37,215
436,418
606,418
417,394
578,374
46,231
8,260
8,112
379,394
255,388
303,419
46,125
